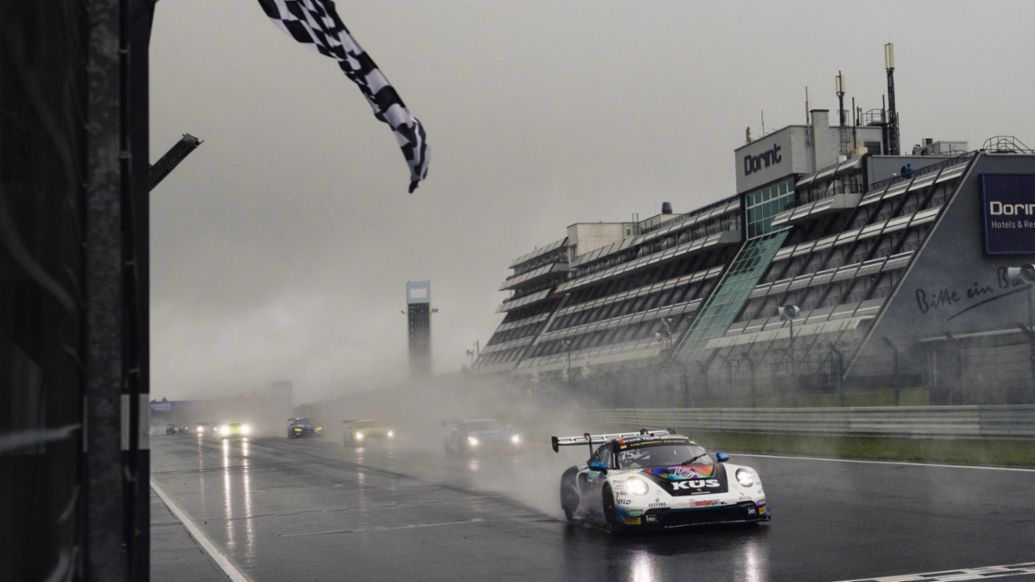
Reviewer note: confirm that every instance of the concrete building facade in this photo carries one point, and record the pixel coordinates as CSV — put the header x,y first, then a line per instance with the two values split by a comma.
x,y
835,269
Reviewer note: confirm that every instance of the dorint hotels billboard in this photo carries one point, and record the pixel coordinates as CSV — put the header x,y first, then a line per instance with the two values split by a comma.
x,y
1008,208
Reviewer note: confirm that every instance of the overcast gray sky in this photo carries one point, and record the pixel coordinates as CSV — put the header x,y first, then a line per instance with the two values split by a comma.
x,y
281,247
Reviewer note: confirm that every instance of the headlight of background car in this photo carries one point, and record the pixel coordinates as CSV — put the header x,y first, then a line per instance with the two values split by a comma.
x,y
391,434
224,430
246,429
358,436
200,430
319,429
746,477
636,486
473,441
515,439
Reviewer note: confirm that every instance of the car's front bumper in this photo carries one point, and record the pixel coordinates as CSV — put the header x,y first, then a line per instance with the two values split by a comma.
x,y
674,517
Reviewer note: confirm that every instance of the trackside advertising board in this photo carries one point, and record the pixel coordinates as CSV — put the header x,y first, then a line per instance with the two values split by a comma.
x,y
1008,208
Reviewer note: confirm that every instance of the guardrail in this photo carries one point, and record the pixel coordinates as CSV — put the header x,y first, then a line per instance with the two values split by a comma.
x,y
1016,422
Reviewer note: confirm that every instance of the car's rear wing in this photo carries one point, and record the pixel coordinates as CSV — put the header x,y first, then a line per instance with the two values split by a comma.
x,y
598,439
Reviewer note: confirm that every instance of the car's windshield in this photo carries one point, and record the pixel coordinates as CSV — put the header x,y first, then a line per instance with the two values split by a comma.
x,y
484,425
662,455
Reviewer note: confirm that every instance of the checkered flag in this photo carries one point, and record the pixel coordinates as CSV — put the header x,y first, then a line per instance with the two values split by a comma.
x,y
316,23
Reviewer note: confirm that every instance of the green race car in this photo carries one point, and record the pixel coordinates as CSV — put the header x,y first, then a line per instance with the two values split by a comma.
x,y
233,429
359,432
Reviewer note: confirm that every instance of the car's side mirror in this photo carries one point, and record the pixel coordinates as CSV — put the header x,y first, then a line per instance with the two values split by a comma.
x,y
722,457
598,466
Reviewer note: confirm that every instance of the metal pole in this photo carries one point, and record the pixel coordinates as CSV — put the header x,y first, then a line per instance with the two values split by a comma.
x,y
172,158
1031,339
106,556
837,361
791,351
686,387
704,372
751,369
571,384
895,378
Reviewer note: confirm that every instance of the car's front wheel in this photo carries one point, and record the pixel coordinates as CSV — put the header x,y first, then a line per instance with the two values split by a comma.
x,y
611,519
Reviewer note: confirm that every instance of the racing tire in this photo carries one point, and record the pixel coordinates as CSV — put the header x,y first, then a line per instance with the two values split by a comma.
x,y
569,498
614,525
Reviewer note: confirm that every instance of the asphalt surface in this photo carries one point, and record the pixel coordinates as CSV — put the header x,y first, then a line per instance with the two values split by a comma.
x,y
315,510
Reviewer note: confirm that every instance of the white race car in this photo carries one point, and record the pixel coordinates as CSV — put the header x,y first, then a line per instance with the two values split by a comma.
x,y
657,479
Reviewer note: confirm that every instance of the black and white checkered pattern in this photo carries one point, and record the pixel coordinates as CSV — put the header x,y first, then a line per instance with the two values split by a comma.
x,y
316,23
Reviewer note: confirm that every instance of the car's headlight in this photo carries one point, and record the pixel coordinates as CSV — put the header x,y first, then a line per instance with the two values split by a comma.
x,y
473,441
224,430
391,434
297,429
746,477
358,436
636,486
319,429
246,429
200,430
516,439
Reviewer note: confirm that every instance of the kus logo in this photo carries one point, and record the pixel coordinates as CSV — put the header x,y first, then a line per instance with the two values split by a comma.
x,y
695,484
768,158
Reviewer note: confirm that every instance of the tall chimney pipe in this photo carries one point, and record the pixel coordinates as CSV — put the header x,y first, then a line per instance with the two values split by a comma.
x,y
889,67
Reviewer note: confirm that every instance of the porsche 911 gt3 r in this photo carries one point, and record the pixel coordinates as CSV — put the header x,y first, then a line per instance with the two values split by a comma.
x,y
658,479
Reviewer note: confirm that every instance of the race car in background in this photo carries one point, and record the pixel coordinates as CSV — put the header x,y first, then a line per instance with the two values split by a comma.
x,y
206,428
233,430
299,428
175,429
657,479
359,432
469,436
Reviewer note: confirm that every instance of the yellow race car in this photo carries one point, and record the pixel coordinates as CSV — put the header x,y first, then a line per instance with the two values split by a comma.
x,y
233,429
359,432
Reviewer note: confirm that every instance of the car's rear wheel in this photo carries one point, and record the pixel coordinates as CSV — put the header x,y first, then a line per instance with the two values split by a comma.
x,y
569,498
614,524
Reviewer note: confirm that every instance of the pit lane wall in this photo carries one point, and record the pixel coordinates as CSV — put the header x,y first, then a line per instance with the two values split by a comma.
x,y
997,422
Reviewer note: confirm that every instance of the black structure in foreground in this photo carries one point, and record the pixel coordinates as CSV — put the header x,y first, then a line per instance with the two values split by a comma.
x,y
74,182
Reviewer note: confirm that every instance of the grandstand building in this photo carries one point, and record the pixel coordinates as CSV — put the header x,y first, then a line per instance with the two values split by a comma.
x,y
838,267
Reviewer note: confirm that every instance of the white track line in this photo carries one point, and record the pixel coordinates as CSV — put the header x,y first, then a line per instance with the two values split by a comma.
x,y
960,575
380,529
213,551
940,466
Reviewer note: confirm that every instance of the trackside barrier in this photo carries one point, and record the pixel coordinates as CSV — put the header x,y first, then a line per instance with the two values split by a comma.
x,y
1017,422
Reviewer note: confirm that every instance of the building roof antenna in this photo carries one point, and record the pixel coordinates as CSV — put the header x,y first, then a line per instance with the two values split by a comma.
x,y
839,88
808,116
889,67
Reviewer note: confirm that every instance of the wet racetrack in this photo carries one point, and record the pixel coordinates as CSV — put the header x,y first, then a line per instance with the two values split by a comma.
x,y
315,510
